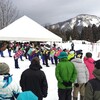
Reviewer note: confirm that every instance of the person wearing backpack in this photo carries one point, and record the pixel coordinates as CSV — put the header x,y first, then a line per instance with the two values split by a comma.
x,y
92,90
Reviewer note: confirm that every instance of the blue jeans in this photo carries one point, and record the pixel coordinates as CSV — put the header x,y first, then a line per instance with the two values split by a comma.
x,y
1,53
16,63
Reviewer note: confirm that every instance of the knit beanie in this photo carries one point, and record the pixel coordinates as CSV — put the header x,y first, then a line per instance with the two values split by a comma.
x,y
4,68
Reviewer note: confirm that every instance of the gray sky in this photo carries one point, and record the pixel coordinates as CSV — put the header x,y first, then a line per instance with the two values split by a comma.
x,y
53,11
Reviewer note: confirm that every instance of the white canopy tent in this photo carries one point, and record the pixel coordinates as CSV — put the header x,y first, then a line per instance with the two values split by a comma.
x,y
25,29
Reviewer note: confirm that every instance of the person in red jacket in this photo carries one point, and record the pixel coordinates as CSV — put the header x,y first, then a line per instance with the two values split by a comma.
x,y
89,61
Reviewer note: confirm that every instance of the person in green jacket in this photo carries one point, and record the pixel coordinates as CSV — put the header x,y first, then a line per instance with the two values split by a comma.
x,y
66,74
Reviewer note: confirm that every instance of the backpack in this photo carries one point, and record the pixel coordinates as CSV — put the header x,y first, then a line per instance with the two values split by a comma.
x,y
27,95
95,83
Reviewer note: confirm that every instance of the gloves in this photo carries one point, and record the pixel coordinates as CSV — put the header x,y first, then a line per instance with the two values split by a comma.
x,y
85,84
76,84
67,83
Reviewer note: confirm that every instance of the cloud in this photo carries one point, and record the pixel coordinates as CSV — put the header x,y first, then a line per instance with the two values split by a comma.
x,y
53,11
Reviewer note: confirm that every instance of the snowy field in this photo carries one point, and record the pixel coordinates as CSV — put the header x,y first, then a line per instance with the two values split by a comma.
x,y
49,71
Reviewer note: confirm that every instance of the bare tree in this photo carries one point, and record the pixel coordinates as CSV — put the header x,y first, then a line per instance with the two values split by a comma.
x,y
8,13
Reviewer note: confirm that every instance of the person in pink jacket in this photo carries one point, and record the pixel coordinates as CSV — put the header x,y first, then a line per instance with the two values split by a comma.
x,y
89,61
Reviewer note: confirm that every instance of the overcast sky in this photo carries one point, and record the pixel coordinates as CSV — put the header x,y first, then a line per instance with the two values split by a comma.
x,y
53,11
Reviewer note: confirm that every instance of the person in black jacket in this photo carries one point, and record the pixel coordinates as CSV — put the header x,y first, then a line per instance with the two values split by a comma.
x,y
72,46
34,79
9,49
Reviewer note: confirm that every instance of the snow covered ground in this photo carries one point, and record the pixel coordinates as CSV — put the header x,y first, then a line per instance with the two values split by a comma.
x,y
49,71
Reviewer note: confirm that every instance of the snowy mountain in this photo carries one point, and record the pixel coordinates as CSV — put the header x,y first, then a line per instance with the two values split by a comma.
x,y
82,20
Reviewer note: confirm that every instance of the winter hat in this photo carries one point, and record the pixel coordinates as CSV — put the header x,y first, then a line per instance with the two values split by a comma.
x,y
79,54
88,54
4,68
64,49
71,52
62,55
78,51
97,64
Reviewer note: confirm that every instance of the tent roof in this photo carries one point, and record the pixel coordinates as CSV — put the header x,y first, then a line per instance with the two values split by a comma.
x,y
25,29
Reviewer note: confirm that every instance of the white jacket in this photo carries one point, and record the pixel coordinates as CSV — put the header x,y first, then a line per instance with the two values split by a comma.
x,y
8,88
83,74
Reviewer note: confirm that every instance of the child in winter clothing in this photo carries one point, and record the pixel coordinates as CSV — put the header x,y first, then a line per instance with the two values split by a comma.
x,y
16,57
82,77
8,88
71,55
89,61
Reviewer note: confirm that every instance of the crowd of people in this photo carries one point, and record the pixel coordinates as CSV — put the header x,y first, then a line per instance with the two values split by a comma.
x,y
75,74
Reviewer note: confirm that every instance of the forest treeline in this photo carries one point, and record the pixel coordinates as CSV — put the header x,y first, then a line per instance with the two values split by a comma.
x,y
90,33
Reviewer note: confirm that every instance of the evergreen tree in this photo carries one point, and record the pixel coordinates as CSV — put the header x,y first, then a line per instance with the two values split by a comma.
x,y
95,32
75,34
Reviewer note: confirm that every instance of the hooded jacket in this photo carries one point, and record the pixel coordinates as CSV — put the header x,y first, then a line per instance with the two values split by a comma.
x,y
82,71
33,79
92,91
8,88
90,66
65,71
27,95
